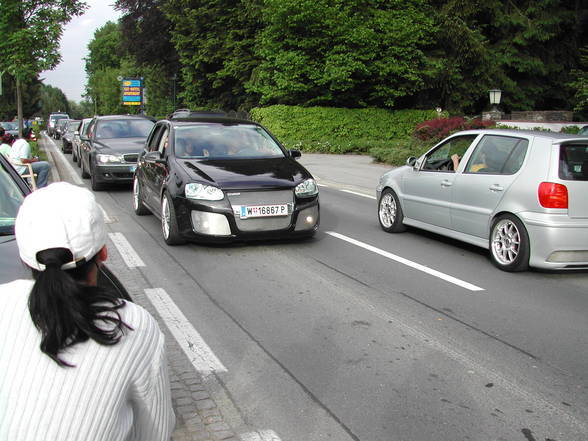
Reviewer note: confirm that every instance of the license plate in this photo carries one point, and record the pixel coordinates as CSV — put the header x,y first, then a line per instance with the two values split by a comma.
x,y
249,211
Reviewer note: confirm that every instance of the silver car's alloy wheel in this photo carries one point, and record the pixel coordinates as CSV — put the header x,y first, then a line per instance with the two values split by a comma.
x,y
506,242
387,210
165,217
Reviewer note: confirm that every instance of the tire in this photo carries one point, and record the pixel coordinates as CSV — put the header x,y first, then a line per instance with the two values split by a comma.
x,y
169,222
79,160
390,212
74,157
509,244
85,173
95,184
138,205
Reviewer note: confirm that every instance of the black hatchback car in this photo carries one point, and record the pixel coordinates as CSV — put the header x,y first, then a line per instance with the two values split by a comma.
x,y
216,179
110,148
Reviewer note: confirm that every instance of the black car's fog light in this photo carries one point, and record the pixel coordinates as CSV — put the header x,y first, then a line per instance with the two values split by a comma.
x,y
307,219
214,224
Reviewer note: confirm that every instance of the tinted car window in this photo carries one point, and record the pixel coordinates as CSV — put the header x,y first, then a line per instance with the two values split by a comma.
x,y
11,197
498,155
573,162
225,141
123,128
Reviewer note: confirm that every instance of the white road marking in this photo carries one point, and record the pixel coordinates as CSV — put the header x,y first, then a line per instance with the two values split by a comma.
x,y
107,218
125,249
262,435
199,353
407,262
359,194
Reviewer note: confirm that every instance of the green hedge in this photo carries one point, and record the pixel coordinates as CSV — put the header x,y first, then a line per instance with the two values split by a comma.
x,y
338,130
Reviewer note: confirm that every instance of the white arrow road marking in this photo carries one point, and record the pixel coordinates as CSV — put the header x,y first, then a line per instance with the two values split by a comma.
x,y
407,262
193,345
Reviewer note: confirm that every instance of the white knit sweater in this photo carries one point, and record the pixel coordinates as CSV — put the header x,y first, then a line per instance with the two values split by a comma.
x,y
113,393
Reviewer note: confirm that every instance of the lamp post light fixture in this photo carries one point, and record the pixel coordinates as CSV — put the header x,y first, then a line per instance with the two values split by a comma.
x,y
495,95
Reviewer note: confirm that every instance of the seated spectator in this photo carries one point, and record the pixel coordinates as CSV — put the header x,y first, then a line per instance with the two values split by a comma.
x,y
78,363
6,146
21,154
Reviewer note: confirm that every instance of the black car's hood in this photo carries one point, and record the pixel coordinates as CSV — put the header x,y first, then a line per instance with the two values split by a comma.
x,y
11,267
247,173
121,145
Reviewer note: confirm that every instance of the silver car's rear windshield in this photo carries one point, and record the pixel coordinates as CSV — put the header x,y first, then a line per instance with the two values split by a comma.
x,y
573,162
221,141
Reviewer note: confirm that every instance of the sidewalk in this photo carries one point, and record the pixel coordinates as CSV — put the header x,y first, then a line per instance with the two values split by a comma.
x,y
198,415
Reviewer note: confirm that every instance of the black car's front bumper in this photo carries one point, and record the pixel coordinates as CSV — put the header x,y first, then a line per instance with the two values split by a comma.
x,y
218,223
114,173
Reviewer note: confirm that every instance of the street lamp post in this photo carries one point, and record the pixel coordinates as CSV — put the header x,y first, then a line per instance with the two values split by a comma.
x,y
174,78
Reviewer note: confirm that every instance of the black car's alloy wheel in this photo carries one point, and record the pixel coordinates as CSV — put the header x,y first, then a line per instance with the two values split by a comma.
x,y
96,186
138,205
85,173
169,222
390,212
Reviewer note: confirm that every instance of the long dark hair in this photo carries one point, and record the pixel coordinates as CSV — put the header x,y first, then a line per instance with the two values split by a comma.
x,y
66,310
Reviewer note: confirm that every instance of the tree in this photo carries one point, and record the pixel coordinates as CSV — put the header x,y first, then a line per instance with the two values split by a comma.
x,y
214,40
30,31
351,53
53,99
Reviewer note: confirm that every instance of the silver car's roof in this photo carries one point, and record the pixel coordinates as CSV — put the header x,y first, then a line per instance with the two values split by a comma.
x,y
555,136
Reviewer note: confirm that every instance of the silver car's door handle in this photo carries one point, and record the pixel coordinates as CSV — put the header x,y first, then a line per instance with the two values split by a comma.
x,y
446,183
496,187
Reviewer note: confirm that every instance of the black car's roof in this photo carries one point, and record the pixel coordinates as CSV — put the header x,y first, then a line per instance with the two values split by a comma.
x,y
217,120
116,117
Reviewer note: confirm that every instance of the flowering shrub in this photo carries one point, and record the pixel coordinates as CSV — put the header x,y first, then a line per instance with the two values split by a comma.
x,y
439,128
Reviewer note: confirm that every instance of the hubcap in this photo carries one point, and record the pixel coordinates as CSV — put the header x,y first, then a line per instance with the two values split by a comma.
x,y
506,242
165,217
387,210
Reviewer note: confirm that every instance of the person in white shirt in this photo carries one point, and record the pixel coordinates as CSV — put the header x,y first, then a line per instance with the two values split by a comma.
x,y
21,152
76,363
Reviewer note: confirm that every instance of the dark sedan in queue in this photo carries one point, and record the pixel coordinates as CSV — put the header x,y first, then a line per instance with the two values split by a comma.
x,y
217,179
109,150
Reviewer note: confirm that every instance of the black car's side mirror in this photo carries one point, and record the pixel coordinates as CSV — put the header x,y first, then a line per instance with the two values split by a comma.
x,y
155,157
295,153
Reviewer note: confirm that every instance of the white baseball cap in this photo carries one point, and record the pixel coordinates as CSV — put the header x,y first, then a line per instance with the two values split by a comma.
x,y
60,215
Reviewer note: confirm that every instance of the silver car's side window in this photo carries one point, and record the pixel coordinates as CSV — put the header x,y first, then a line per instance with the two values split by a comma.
x,y
447,155
498,155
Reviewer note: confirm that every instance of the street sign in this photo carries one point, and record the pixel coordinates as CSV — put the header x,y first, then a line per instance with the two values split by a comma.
x,y
132,91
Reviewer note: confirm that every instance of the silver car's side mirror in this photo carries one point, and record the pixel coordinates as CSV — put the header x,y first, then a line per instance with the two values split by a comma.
x,y
411,161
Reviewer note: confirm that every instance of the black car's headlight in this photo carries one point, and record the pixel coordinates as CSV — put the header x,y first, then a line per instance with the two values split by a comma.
x,y
101,158
306,189
203,192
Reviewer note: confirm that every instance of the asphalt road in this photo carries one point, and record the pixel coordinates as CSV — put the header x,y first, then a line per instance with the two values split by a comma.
x,y
357,334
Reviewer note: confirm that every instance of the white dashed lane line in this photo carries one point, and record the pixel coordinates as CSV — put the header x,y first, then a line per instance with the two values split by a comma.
x,y
407,262
196,349
125,249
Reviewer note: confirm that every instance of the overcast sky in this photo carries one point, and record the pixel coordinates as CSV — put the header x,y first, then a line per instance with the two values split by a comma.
x,y
70,75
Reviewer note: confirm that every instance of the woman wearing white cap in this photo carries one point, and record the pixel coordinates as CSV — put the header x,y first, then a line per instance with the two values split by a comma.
x,y
76,363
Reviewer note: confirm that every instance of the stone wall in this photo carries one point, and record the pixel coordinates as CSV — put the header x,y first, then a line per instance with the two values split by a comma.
x,y
544,115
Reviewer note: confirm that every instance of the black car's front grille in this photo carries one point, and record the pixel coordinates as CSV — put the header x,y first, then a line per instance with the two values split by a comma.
x,y
249,198
131,157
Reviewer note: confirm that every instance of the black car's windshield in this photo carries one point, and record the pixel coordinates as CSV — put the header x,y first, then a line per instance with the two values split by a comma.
x,y
11,197
218,141
123,128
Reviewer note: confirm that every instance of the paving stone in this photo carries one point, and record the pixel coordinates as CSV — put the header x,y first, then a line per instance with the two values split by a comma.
x,y
200,395
205,404
221,436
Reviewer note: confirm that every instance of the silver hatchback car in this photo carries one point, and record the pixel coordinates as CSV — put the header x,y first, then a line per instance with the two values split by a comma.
x,y
521,194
